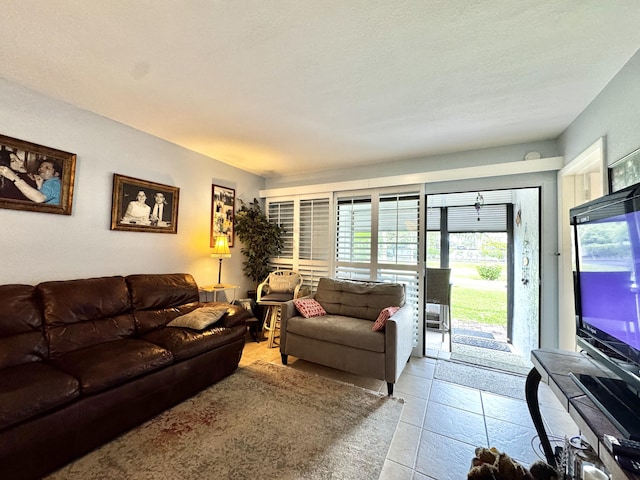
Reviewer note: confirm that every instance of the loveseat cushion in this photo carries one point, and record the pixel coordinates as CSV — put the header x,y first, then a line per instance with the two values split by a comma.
x,y
185,343
358,299
31,389
111,363
21,334
349,331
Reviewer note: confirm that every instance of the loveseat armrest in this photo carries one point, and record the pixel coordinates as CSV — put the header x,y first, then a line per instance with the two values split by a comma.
x,y
287,310
398,342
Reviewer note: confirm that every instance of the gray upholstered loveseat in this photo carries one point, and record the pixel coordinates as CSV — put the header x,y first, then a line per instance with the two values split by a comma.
x,y
343,338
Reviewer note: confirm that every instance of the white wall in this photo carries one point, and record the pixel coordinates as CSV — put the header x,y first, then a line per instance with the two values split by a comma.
x,y
526,294
37,247
473,158
613,114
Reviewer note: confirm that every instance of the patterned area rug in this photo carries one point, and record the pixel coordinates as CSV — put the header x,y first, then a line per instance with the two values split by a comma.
x,y
264,421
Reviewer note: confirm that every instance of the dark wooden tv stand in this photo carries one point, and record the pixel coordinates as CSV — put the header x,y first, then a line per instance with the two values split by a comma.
x,y
553,367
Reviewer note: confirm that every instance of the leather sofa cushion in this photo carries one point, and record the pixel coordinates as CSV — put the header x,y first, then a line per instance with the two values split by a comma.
x,y
149,320
63,340
236,315
358,299
31,389
20,310
186,343
349,331
111,363
74,301
21,334
82,313
158,291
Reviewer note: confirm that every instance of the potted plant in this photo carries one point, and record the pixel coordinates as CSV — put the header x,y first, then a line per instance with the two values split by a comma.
x,y
261,240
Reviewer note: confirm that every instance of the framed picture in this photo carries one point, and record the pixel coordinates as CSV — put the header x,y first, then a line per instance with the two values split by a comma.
x,y
142,206
35,178
223,202
625,171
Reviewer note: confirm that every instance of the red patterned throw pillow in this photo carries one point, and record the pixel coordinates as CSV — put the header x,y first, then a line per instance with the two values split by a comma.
x,y
381,321
309,307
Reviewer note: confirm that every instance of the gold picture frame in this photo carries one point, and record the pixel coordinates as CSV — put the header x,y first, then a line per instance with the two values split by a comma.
x,y
35,178
143,206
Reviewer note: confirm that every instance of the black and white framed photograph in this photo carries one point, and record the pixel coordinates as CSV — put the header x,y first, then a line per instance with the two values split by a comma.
x,y
35,178
143,206
625,172
223,201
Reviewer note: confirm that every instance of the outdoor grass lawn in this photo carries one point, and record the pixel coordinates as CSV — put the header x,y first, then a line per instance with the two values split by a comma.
x,y
479,305
477,300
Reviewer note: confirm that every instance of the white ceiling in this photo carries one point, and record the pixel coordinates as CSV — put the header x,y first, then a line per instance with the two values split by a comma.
x,y
277,87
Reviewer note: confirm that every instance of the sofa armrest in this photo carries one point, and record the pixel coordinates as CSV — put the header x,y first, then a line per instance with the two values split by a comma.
x,y
236,315
398,342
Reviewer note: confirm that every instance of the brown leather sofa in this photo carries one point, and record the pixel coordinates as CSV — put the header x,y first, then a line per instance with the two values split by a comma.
x,y
81,361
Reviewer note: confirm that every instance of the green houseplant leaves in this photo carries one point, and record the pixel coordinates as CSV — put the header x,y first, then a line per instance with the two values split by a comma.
x,y
261,240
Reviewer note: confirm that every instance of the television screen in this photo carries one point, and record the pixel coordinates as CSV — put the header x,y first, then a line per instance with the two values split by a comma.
x,y
607,264
607,276
609,270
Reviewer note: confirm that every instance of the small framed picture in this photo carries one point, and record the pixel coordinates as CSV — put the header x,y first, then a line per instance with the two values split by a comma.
x,y
143,206
223,201
35,178
625,172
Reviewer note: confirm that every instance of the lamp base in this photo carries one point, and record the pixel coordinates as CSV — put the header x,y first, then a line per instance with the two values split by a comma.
x,y
219,285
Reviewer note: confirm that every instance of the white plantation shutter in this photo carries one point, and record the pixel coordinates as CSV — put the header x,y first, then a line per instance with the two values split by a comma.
x,y
353,238
378,238
307,222
398,219
282,214
371,236
493,218
314,244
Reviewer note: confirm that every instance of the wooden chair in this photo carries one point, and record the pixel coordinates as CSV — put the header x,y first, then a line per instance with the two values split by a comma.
x,y
279,287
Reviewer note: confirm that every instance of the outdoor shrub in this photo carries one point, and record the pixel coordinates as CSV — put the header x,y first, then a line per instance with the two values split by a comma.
x,y
489,272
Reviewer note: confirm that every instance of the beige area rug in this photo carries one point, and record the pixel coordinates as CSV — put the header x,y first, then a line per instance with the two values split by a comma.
x,y
506,361
474,376
264,421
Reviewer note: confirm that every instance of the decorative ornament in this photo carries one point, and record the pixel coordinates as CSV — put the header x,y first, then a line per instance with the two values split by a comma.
x,y
479,204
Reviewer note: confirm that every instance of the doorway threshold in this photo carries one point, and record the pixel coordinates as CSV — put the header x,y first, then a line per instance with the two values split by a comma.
x,y
506,361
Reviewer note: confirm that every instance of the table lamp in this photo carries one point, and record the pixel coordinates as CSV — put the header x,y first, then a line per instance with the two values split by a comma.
x,y
220,251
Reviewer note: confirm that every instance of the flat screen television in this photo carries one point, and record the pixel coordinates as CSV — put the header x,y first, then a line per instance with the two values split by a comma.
x,y
606,254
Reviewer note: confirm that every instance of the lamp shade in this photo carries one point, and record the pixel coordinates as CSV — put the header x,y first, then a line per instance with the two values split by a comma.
x,y
221,247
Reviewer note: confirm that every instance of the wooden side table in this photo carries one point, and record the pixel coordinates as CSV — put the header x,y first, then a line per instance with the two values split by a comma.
x,y
215,289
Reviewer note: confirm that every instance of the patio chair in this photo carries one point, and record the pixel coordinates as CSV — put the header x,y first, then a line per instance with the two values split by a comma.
x,y
439,293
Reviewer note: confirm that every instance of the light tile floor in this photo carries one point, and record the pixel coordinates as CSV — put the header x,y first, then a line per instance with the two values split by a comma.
x,y
442,423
